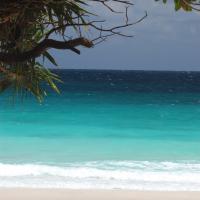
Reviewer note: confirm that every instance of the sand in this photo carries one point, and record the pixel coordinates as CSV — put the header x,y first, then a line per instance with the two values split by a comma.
x,y
62,194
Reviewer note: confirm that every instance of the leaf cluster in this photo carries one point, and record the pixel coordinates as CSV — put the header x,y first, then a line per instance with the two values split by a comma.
x,y
24,24
186,5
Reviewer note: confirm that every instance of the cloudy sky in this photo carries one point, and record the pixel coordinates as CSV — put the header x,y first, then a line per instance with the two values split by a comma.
x,y
165,40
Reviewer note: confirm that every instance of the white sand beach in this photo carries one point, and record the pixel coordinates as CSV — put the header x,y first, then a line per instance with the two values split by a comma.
x,y
63,194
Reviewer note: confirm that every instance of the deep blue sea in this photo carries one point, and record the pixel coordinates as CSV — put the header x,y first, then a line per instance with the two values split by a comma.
x,y
107,129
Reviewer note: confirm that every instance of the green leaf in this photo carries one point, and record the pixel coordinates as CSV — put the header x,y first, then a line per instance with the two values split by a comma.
x,y
50,58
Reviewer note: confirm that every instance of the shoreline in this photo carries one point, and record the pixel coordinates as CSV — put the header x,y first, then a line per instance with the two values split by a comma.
x,y
83,194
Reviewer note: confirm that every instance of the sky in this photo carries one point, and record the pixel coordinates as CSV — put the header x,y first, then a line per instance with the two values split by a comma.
x,y
165,40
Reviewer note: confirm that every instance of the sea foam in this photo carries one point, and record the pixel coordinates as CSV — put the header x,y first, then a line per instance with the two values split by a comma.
x,y
136,175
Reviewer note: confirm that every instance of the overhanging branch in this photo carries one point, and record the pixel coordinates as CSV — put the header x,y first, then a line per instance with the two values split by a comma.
x,y
46,44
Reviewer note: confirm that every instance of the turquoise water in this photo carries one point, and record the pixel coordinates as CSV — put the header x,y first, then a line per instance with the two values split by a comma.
x,y
108,129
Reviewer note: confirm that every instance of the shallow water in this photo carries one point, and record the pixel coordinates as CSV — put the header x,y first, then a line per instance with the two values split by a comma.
x,y
107,129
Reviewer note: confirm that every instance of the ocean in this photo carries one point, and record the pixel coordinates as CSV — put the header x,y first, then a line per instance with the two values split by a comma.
x,y
137,130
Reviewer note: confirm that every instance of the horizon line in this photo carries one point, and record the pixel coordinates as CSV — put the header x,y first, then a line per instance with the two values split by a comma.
x,y
138,70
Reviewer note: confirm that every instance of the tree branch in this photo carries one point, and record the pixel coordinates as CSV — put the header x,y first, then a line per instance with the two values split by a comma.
x,y
10,58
